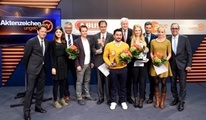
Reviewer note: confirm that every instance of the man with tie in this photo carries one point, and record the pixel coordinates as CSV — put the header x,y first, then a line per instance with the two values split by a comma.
x,y
100,40
34,56
148,38
126,37
180,62
70,38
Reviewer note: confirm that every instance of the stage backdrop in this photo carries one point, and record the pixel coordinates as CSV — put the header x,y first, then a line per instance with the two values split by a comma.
x,y
17,25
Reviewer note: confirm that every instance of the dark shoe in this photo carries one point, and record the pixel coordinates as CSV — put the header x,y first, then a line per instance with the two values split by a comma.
x,y
81,102
40,109
130,100
181,106
140,104
149,101
100,101
136,102
174,102
27,116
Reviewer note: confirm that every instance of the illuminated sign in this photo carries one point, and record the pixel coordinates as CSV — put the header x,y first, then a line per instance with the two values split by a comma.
x,y
24,25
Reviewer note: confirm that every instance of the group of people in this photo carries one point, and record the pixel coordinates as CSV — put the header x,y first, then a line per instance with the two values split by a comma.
x,y
101,48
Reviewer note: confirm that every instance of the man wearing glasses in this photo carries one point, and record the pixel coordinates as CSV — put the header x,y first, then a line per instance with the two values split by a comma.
x,y
181,62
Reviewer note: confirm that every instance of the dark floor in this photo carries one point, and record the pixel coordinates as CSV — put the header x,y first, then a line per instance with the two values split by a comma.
x,y
195,107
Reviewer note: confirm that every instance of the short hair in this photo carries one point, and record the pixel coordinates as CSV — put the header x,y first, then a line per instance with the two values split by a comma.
x,y
124,19
148,23
68,23
117,30
102,21
82,26
175,24
41,26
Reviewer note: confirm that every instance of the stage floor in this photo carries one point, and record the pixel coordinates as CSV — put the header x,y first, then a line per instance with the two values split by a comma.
x,y
194,107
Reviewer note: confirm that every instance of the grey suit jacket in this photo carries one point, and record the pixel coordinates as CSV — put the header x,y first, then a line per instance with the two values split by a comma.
x,y
33,56
99,57
183,56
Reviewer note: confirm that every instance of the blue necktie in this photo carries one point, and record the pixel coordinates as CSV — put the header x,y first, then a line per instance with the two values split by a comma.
x,y
69,40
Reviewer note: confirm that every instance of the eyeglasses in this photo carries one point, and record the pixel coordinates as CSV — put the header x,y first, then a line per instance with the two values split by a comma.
x,y
174,28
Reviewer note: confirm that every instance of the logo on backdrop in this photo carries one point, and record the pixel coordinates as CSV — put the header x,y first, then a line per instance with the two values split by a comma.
x,y
24,25
92,24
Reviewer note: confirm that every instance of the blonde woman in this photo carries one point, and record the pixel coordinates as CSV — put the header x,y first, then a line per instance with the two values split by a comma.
x,y
162,46
139,68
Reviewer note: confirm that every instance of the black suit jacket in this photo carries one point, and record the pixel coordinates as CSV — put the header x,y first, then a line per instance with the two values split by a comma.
x,y
33,56
98,57
79,61
129,34
183,56
153,36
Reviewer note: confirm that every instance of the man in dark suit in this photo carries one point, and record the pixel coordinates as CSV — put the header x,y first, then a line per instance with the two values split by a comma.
x,y
181,62
34,56
148,37
100,40
71,63
84,63
127,33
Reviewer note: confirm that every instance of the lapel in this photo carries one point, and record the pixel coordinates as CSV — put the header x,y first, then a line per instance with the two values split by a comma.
x,y
179,44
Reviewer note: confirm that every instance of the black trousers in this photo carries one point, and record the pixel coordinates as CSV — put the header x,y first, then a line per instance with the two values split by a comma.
x,y
72,69
129,79
118,77
182,74
61,85
38,82
151,81
103,82
139,76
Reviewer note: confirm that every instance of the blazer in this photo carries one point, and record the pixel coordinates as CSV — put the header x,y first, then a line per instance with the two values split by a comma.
x,y
99,57
153,36
183,56
79,61
33,57
129,34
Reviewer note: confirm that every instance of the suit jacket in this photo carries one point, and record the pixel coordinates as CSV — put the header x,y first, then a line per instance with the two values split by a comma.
x,y
99,57
33,56
79,61
129,34
183,56
153,36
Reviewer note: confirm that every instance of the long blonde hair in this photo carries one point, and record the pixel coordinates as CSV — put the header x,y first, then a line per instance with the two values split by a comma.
x,y
133,37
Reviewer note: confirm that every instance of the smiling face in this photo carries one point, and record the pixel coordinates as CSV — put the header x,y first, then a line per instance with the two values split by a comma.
x,y
42,32
124,24
68,28
118,36
161,32
137,31
58,33
175,29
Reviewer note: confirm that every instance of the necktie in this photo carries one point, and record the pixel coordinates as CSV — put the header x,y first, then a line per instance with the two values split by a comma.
x,y
125,37
103,39
69,40
42,46
174,45
148,39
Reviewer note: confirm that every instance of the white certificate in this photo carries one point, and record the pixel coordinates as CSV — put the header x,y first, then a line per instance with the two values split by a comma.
x,y
104,69
160,69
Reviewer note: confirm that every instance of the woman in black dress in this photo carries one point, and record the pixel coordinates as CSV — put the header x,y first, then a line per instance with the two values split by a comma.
x,y
59,66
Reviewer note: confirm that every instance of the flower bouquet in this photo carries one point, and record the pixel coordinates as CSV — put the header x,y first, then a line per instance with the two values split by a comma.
x,y
125,56
136,50
72,51
159,59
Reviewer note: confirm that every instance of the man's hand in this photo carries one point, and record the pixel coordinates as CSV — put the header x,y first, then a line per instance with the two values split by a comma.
x,y
53,71
188,69
79,68
99,51
92,65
